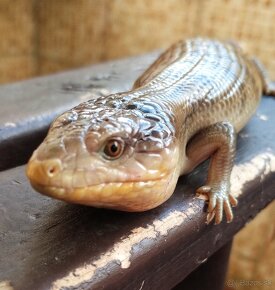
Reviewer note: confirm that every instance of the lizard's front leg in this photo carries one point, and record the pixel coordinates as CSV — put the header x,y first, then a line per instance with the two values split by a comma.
x,y
219,142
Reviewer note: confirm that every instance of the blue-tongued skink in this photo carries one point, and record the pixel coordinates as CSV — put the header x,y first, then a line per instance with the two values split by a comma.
x,y
126,150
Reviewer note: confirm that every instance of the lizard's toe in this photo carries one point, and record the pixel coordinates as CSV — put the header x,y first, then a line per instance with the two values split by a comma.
x,y
233,200
228,210
219,201
203,192
218,211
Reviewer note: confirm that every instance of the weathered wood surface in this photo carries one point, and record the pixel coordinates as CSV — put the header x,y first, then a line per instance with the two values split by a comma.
x,y
210,275
47,244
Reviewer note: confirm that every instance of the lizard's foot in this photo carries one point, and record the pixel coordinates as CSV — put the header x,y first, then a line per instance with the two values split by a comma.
x,y
219,200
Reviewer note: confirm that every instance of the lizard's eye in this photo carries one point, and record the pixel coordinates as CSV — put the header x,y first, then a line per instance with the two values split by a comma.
x,y
113,149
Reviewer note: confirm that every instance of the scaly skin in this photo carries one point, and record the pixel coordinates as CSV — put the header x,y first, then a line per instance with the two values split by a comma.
x,y
186,107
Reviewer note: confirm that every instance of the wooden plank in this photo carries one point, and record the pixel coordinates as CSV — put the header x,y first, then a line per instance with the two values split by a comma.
x,y
210,275
29,107
47,244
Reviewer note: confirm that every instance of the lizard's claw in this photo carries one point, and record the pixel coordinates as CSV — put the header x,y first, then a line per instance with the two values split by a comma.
x,y
219,200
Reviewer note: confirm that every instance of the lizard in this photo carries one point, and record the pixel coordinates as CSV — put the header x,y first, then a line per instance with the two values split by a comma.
x,y
126,151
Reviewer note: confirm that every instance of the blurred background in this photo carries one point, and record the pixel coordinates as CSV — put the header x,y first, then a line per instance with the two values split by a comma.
x,y
39,37
44,36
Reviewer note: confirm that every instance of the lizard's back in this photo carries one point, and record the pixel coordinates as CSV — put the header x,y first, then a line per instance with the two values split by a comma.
x,y
202,82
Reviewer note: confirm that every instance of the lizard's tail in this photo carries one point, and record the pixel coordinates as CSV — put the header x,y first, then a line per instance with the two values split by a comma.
x,y
270,89
268,85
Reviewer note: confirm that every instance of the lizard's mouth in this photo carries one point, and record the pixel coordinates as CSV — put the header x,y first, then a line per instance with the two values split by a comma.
x,y
132,195
125,196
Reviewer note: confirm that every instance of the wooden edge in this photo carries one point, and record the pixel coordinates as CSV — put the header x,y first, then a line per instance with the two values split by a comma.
x,y
211,274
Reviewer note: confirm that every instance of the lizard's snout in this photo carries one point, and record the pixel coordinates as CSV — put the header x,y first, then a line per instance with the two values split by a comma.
x,y
52,167
41,172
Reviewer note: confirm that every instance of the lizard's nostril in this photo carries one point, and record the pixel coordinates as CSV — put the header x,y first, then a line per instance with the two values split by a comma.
x,y
53,167
39,172
52,170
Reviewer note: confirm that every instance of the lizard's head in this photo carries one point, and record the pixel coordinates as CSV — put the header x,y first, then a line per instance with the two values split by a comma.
x,y
108,153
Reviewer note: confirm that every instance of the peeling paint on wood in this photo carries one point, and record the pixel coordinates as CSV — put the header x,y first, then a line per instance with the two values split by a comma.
x,y
5,285
260,165
262,117
121,252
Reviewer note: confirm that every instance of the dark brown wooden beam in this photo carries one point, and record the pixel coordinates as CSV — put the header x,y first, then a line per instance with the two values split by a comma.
x,y
211,274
